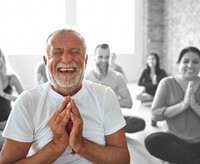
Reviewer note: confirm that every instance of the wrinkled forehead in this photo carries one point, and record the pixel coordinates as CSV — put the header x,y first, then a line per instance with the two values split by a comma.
x,y
65,39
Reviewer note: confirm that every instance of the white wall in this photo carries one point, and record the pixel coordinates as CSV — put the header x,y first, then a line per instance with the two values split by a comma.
x,y
24,66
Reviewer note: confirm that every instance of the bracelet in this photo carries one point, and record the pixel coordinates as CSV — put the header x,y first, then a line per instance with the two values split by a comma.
x,y
80,148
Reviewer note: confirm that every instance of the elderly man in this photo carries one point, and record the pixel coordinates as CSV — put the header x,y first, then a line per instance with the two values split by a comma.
x,y
103,75
68,119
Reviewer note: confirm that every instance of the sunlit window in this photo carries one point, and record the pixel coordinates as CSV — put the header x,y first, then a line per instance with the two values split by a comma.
x,y
107,21
25,24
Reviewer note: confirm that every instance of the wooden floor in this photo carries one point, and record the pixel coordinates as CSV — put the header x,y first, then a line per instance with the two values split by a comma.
x,y
139,155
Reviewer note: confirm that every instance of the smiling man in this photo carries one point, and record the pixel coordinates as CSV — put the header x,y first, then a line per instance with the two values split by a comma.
x,y
103,75
67,119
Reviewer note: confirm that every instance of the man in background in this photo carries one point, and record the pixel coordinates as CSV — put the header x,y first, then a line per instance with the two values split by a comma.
x,y
103,75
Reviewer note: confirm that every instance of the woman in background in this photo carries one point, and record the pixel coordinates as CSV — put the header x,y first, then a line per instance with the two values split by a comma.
x,y
150,78
7,82
177,101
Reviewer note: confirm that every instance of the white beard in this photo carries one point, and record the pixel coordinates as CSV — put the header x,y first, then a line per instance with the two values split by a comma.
x,y
67,84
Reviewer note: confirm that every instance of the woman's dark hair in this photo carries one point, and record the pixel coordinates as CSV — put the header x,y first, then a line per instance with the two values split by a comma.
x,y
186,50
157,62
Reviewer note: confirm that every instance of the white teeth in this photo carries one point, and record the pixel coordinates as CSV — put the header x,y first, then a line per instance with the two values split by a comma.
x,y
66,69
190,70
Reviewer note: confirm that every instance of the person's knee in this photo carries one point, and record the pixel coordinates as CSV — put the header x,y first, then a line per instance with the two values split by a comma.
x,y
153,142
142,124
139,122
134,124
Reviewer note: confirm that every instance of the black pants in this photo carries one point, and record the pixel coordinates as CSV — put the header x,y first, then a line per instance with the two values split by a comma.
x,y
172,149
134,124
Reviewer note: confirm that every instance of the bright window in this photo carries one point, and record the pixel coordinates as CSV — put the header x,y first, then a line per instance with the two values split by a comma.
x,y
25,24
107,21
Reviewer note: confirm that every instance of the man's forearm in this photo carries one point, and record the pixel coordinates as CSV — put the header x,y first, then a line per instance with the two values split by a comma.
x,y
105,154
124,103
48,154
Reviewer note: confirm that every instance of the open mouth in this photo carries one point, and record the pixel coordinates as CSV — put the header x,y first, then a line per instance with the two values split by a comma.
x,y
67,70
190,71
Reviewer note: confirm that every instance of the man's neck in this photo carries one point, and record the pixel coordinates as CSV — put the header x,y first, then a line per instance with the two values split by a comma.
x,y
100,75
68,91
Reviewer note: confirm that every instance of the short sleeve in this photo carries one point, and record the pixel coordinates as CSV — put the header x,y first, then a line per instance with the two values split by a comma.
x,y
19,126
113,118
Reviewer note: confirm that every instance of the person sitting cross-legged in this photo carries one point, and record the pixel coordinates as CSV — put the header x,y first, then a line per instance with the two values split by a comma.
x,y
103,75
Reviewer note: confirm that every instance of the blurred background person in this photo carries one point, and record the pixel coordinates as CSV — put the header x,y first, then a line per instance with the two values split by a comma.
x,y
102,74
40,73
113,65
150,78
9,84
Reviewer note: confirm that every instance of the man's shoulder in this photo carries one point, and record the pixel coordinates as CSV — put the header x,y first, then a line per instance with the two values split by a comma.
x,y
95,87
91,84
113,72
116,75
97,90
35,91
39,87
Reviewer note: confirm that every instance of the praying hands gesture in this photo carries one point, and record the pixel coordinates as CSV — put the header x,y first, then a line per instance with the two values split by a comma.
x,y
193,104
189,95
67,125
190,100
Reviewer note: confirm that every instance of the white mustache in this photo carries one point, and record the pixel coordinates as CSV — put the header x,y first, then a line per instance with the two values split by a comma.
x,y
68,65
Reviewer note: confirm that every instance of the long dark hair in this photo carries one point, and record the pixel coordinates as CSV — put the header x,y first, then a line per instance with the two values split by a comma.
x,y
157,63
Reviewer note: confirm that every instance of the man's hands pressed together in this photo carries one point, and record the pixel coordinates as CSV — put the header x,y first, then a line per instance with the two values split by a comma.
x,y
67,125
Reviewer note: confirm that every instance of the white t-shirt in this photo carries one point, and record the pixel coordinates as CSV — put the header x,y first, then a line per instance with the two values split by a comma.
x,y
28,120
